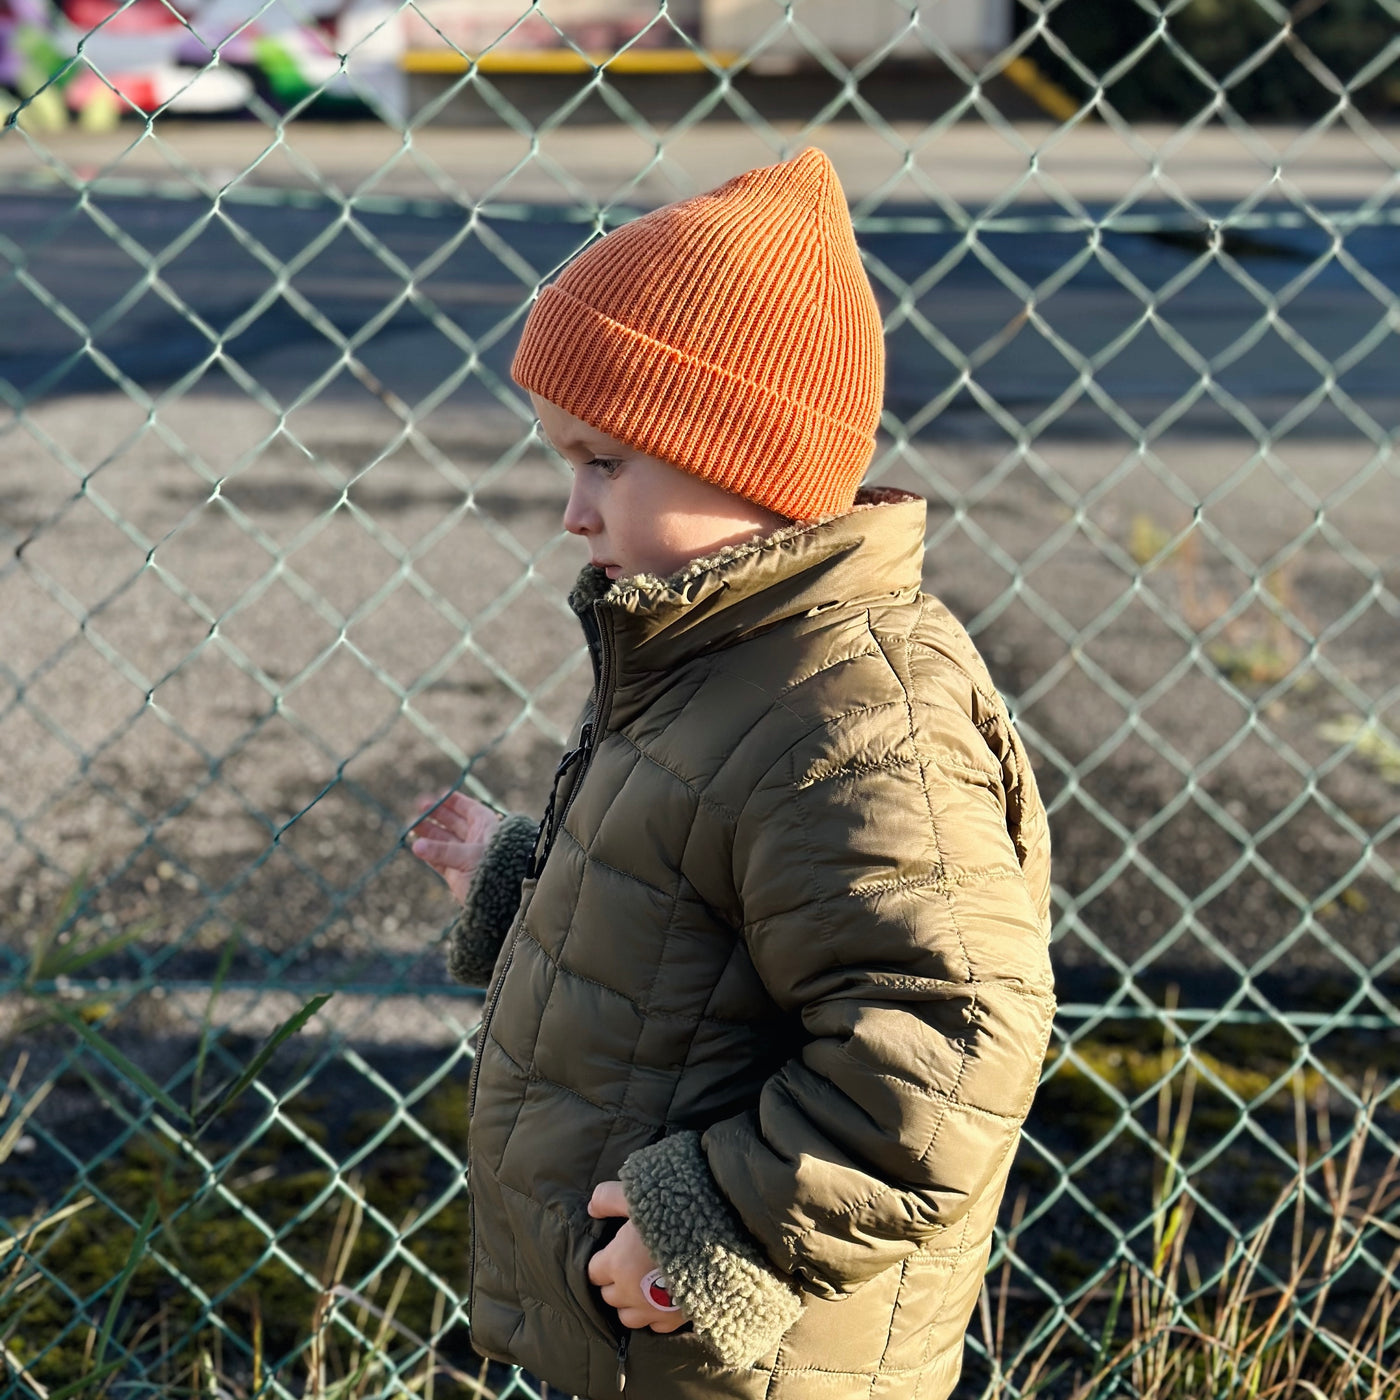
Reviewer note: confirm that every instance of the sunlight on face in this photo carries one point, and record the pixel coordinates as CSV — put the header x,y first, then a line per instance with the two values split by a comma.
x,y
639,514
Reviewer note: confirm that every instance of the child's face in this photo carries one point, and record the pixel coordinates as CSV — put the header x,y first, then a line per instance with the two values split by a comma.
x,y
638,513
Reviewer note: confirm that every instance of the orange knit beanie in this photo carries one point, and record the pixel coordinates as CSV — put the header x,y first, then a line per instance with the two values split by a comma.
x,y
734,335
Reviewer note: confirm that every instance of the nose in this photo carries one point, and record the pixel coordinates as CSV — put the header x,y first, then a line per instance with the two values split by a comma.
x,y
580,516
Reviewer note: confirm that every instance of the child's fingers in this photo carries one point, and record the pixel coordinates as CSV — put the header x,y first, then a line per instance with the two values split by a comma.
x,y
428,830
668,1322
438,821
465,817
608,1199
444,855
443,803
428,808
633,1311
635,1319
456,815
458,820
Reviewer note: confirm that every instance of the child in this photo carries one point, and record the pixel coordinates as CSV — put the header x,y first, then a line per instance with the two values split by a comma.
x,y
769,991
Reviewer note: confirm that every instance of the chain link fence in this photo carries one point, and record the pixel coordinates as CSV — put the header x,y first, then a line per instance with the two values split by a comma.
x,y
281,551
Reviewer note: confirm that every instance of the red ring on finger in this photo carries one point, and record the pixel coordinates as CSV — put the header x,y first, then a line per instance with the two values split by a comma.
x,y
656,1291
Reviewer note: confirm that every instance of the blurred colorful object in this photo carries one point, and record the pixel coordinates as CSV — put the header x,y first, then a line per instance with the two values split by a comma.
x,y
109,58
598,26
28,55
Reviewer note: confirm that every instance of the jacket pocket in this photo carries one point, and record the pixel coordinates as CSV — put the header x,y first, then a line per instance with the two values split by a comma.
x,y
584,1242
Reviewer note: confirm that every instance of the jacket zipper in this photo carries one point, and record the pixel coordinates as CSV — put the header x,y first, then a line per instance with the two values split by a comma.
x,y
486,1011
622,1361
588,735
544,836
602,711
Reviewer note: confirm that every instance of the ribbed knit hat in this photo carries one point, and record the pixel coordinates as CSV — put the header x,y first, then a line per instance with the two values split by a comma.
x,y
734,335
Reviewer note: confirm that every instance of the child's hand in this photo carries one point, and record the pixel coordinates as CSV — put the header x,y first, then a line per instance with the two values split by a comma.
x,y
453,836
618,1269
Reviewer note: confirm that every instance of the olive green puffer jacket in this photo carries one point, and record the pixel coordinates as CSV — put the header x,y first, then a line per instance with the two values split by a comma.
x,y
780,965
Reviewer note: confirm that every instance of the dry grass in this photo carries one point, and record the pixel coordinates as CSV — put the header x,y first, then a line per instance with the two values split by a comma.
x,y
356,1347
1262,1323
1266,1321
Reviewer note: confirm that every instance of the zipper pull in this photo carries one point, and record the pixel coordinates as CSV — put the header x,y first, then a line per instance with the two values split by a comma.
x,y
544,836
537,855
622,1361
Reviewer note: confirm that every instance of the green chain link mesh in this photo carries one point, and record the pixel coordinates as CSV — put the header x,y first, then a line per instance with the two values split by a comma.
x,y
282,551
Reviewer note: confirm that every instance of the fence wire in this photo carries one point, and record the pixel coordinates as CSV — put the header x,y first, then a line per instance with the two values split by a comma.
x,y
282,551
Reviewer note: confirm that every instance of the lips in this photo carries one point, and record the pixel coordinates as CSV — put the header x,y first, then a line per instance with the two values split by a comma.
x,y
613,571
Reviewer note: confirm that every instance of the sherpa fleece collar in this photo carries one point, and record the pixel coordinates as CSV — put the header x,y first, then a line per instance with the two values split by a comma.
x,y
870,552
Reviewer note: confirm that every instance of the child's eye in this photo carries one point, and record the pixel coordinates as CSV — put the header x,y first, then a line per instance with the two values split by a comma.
x,y
607,465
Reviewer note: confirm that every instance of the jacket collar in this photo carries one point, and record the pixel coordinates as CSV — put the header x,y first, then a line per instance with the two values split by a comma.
x,y
870,553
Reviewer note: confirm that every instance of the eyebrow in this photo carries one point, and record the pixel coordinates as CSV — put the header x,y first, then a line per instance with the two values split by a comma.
x,y
596,446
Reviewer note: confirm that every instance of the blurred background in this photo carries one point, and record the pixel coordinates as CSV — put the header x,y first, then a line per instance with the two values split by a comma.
x,y
280,550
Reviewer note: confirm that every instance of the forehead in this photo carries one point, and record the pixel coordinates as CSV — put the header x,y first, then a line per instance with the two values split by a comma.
x,y
566,431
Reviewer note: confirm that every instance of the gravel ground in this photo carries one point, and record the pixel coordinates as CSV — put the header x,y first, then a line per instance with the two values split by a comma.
x,y
256,773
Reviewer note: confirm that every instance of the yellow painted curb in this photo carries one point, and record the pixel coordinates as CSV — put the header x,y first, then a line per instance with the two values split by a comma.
x,y
566,61
1049,96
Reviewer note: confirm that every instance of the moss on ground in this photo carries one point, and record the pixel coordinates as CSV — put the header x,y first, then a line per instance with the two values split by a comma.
x,y
1099,1118
1091,1085
247,1260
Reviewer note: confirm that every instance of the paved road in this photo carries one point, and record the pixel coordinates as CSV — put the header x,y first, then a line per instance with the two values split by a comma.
x,y
972,163
1028,310
976,296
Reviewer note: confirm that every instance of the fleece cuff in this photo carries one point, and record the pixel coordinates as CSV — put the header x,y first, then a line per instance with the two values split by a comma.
x,y
738,1302
492,900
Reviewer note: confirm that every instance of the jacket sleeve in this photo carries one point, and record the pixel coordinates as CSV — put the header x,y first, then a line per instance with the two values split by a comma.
x,y
715,1269
492,899
890,909
886,906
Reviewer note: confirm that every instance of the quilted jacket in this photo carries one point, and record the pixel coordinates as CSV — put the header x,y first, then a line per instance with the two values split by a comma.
x,y
779,964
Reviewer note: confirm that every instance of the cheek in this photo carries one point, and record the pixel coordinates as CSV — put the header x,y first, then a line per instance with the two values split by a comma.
x,y
658,533
682,535
654,512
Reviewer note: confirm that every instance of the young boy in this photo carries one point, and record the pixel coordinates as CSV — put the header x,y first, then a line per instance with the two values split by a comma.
x,y
769,991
